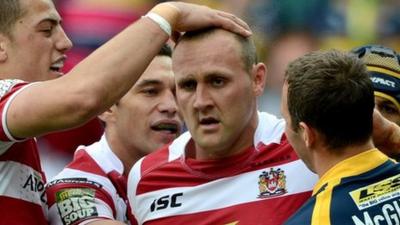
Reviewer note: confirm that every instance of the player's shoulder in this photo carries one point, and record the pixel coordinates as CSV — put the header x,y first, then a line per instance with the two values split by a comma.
x,y
166,155
82,171
156,162
72,178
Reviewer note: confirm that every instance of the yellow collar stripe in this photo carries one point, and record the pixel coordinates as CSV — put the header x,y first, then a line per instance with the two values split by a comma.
x,y
321,212
346,167
332,178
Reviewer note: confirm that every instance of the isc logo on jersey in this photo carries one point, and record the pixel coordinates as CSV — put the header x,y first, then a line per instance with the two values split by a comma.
x,y
75,204
376,193
166,201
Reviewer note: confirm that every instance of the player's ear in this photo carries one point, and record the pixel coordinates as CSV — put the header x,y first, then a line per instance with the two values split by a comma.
x,y
4,42
109,115
308,134
259,72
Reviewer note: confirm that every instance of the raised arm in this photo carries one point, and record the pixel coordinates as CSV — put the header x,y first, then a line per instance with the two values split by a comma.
x,y
108,73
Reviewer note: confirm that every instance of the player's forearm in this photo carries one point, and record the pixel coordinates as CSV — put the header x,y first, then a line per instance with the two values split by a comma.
x,y
112,69
91,87
106,75
110,72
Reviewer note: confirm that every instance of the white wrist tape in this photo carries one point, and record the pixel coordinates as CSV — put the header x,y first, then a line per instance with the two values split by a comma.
x,y
163,23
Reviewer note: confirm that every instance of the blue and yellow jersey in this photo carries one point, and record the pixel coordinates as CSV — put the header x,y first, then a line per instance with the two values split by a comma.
x,y
361,190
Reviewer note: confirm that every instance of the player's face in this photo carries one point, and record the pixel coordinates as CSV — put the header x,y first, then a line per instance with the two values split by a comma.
x,y
215,95
38,44
388,109
147,118
294,138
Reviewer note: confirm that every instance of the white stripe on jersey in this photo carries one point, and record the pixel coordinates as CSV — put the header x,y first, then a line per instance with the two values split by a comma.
x,y
73,173
102,154
4,146
5,109
21,182
133,178
176,149
231,191
269,130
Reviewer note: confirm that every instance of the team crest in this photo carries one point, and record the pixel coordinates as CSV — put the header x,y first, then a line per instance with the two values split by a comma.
x,y
272,183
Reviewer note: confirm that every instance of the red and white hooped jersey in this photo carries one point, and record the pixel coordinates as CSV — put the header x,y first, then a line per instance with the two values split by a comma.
x,y
22,196
91,187
263,185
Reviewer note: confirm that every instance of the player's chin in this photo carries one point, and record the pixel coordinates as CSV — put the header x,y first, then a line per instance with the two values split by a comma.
x,y
53,74
208,141
165,137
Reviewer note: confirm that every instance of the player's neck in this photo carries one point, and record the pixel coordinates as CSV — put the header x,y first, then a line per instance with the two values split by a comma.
x,y
126,155
327,158
229,148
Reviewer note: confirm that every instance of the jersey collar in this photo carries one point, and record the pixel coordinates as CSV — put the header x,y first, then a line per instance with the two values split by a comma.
x,y
352,166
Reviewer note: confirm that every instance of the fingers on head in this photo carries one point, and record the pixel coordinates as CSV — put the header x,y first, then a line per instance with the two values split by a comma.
x,y
232,23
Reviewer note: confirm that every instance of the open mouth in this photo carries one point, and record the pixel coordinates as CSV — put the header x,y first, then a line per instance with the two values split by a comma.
x,y
208,121
55,69
57,66
166,127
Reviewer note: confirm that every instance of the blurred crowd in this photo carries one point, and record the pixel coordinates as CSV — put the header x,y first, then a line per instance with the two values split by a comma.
x,y
284,29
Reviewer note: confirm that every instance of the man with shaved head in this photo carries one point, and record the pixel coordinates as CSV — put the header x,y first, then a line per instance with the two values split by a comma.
x,y
234,165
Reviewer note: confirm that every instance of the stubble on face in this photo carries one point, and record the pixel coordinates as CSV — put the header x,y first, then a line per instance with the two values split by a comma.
x,y
223,124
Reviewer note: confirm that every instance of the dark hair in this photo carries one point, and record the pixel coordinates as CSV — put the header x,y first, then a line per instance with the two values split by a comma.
x,y
10,12
248,51
331,92
166,50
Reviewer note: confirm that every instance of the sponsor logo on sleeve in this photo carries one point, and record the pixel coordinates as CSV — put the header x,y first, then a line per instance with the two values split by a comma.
x,y
75,180
272,183
75,204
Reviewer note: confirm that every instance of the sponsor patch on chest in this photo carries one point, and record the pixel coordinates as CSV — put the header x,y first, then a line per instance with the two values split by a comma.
x,y
377,193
